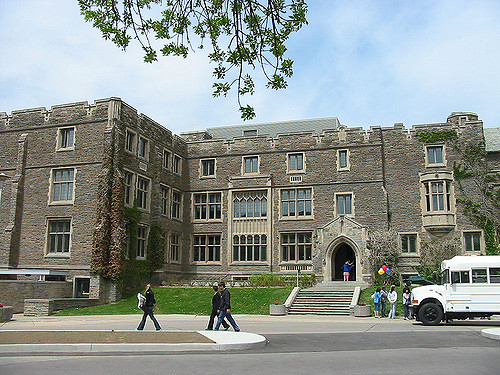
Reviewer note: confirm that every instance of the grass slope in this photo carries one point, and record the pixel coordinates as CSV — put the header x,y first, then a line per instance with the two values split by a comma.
x,y
196,301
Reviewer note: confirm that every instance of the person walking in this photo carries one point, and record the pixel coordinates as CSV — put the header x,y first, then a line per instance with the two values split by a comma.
x,y
383,301
148,308
392,297
216,302
406,302
376,301
225,308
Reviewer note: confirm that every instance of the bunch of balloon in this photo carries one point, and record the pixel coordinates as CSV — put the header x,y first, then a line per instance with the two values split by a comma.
x,y
384,270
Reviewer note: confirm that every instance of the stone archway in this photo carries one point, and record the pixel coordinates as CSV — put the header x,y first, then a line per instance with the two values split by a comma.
x,y
342,253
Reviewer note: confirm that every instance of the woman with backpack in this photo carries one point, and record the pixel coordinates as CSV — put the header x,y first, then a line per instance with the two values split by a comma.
x,y
376,300
392,297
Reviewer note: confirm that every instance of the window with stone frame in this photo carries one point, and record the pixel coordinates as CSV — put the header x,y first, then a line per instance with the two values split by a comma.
x,y
175,247
296,247
167,159
142,193
472,241
164,203
435,155
63,181
128,182
249,204
250,164
66,138
206,248
342,160
207,167
176,164
143,150
59,236
344,203
408,243
142,241
207,206
296,203
437,196
296,162
175,211
250,248
130,141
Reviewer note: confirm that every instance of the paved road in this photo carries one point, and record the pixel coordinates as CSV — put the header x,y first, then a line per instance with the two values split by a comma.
x,y
297,345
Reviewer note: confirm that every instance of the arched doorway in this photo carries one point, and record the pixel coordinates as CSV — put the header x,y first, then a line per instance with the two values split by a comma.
x,y
343,253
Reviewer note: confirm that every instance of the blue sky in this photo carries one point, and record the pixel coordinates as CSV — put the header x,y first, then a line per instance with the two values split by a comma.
x,y
365,62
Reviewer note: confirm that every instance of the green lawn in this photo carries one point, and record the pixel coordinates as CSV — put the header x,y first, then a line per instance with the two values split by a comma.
x,y
366,297
196,301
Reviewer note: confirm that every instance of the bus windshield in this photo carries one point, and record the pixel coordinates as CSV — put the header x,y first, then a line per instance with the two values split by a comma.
x,y
445,277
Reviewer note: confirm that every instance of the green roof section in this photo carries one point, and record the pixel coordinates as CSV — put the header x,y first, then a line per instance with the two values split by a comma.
x,y
274,128
492,139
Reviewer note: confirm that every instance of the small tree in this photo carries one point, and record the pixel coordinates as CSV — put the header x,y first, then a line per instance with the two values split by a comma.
x,y
433,253
383,249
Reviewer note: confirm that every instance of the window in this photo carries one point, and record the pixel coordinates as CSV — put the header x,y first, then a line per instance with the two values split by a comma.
x,y
206,248
472,241
495,275
437,196
479,276
296,162
130,141
460,277
167,156
174,247
250,204
409,243
250,133
208,168
207,206
143,148
344,204
435,155
296,246
129,188
142,239
164,200
142,193
176,205
59,237
296,202
176,164
66,138
342,159
251,164
62,185
250,248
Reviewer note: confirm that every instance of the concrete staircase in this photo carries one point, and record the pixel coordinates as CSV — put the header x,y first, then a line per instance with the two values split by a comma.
x,y
331,298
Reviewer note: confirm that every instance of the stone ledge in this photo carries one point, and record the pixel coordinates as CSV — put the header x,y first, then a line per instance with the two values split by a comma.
x,y
44,307
6,313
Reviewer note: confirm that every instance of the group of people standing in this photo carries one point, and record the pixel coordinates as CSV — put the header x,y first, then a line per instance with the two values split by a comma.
x,y
221,307
382,296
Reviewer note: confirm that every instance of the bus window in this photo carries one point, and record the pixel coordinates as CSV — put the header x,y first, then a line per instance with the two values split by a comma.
x,y
460,277
445,277
495,275
479,275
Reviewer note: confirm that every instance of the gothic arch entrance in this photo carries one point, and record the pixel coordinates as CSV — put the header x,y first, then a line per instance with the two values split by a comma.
x,y
342,253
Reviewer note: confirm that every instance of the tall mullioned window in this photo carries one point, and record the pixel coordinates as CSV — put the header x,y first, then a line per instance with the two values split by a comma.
x,y
142,193
296,246
206,248
59,236
175,211
62,185
248,204
437,196
248,248
251,164
130,141
208,168
207,206
435,155
296,202
472,241
296,162
409,243
344,204
142,239
164,200
174,247
343,159
129,188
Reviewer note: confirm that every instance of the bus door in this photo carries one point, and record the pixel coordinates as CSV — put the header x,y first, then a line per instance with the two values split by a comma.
x,y
458,292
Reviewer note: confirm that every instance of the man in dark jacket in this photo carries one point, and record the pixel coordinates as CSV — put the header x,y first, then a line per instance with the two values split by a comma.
x,y
225,308
148,308
216,301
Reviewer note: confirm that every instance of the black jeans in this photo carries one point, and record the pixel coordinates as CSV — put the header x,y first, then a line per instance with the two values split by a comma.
x,y
148,311
211,321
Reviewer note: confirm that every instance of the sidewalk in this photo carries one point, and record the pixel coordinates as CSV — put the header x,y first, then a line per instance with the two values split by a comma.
x,y
116,333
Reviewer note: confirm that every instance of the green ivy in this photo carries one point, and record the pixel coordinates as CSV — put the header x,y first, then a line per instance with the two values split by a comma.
x,y
133,216
156,244
437,136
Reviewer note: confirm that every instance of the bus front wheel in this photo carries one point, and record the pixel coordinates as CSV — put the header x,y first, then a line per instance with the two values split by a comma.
x,y
430,314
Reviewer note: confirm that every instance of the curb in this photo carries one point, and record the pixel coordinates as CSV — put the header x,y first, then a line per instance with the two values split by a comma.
x,y
221,341
491,333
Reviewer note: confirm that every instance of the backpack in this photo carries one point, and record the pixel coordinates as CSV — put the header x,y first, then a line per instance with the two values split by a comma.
x,y
141,301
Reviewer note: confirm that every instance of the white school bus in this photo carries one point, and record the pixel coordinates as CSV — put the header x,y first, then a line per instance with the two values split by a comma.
x,y
470,287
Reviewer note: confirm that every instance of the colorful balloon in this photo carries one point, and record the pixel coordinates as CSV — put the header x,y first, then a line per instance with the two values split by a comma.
x,y
381,271
387,270
384,267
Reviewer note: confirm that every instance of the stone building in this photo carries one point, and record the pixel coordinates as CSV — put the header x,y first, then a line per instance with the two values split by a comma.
x,y
232,201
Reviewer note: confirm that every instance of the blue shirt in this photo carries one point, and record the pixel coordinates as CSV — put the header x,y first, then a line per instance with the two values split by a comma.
x,y
347,268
